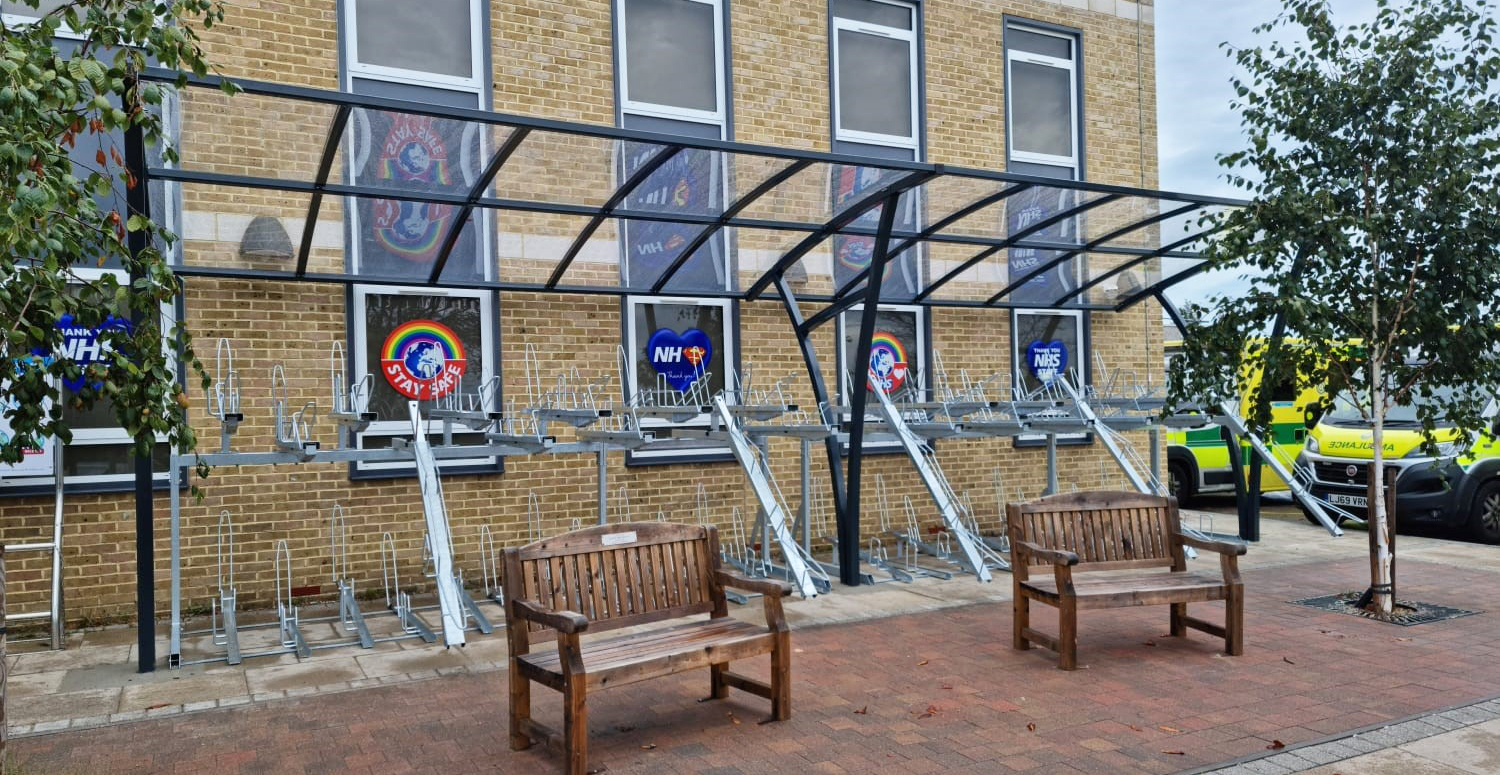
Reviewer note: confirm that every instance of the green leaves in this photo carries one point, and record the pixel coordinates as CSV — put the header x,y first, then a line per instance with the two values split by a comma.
x,y
1373,167
62,124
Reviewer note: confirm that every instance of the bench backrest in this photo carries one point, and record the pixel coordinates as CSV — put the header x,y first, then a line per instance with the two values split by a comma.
x,y
1106,529
619,575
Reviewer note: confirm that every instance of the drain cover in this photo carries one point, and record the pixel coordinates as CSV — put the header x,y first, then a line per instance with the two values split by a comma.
x,y
1408,612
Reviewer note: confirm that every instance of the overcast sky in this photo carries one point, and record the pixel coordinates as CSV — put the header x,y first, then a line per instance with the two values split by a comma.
x,y
1194,119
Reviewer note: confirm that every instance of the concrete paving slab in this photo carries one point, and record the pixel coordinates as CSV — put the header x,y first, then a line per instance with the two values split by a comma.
x,y
38,708
41,661
1393,761
402,662
178,691
284,677
1474,749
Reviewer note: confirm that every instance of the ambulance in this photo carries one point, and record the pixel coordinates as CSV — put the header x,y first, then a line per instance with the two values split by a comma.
x,y
1198,460
1459,487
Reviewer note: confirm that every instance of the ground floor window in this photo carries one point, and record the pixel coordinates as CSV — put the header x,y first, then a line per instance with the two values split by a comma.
x,y
676,346
1048,345
897,358
421,344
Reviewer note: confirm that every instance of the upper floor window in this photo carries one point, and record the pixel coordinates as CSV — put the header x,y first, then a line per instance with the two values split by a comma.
x,y
672,59
1041,105
875,73
433,42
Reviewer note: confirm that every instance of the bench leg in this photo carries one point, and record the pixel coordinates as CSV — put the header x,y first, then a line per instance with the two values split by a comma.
x,y
717,689
1234,621
1067,634
1021,619
520,709
1179,615
781,677
576,728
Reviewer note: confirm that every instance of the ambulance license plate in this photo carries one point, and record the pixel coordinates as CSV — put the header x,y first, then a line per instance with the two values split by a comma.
x,y
1339,499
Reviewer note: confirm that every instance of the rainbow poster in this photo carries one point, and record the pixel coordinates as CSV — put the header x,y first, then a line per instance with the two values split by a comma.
x,y
423,359
887,362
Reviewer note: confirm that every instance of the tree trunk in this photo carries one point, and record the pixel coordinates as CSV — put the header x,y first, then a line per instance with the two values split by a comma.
x,y
4,667
1382,560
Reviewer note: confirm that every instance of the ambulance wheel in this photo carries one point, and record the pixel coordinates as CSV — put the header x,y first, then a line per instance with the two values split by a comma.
x,y
1180,483
1484,517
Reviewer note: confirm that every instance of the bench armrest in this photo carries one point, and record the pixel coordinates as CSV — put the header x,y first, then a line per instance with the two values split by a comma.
x,y
1054,556
768,587
568,622
1233,548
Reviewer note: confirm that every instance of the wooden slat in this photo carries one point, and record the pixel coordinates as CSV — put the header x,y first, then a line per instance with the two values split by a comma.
x,y
694,586
590,539
649,578
624,590
596,590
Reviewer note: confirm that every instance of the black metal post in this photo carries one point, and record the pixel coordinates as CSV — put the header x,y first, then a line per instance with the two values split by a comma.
x,y
820,394
849,523
1249,506
138,200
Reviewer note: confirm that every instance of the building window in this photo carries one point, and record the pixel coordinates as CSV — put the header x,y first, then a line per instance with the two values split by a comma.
x,y
672,59
875,73
677,346
421,344
1043,138
1048,346
897,357
1041,101
101,455
431,52
434,42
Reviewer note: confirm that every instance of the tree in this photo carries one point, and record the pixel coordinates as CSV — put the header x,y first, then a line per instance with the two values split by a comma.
x,y
64,111
1372,234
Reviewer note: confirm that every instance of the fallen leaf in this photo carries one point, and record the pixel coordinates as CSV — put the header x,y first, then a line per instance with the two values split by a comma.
x,y
1136,728
1031,727
1175,753
733,718
865,711
1288,661
1276,745
1149,643
946,686
1403,639
649,747
158,705
1165,728
923,662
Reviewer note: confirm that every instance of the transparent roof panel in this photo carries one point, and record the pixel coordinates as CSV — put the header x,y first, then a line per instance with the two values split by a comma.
x,y
823,191
1110,278
561,168
228,227
529,246
416,154
980,272
250,134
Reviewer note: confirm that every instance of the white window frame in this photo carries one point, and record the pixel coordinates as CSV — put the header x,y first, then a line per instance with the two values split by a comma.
x,y
97,437
866,28
15,21
1084,365
719,116
1068,65
472,86
632,340
841,360
477,40
360,367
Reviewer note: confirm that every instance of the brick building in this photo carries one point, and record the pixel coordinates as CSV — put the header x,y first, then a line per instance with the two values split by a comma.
x,y
1060,89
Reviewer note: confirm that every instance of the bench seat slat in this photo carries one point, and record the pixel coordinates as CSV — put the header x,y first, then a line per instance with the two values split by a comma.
x,y
627,658
1150,588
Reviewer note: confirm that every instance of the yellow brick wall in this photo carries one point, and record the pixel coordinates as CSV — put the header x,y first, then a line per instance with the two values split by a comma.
x,y
554,59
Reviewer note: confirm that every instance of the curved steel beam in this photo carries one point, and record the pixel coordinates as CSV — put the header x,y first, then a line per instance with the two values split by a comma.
x,y
639,176
729,213
1013,239
1137,261
325,165
476,191
891,190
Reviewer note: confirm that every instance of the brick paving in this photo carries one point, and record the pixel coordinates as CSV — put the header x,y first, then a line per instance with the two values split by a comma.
x,y
934,692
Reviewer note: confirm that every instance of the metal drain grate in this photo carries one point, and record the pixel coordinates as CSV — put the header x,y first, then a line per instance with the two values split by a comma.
x,y
1408,612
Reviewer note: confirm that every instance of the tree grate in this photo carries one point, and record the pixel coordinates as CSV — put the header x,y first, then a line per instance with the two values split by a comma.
x,y
1407,612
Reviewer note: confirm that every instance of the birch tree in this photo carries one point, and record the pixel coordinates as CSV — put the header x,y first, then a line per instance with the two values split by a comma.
x,y
1372,235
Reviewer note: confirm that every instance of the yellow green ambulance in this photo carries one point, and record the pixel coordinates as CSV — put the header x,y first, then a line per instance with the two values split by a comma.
x,y
1457,488
1198,460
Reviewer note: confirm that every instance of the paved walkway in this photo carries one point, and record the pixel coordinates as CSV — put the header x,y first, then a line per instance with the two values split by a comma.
x,y
935,691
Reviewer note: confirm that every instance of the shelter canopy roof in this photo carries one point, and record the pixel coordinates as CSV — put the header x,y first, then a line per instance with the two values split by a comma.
x,y
377,190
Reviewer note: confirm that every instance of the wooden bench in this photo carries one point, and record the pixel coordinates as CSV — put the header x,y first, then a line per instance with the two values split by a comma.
x,y
613,576
1139,540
